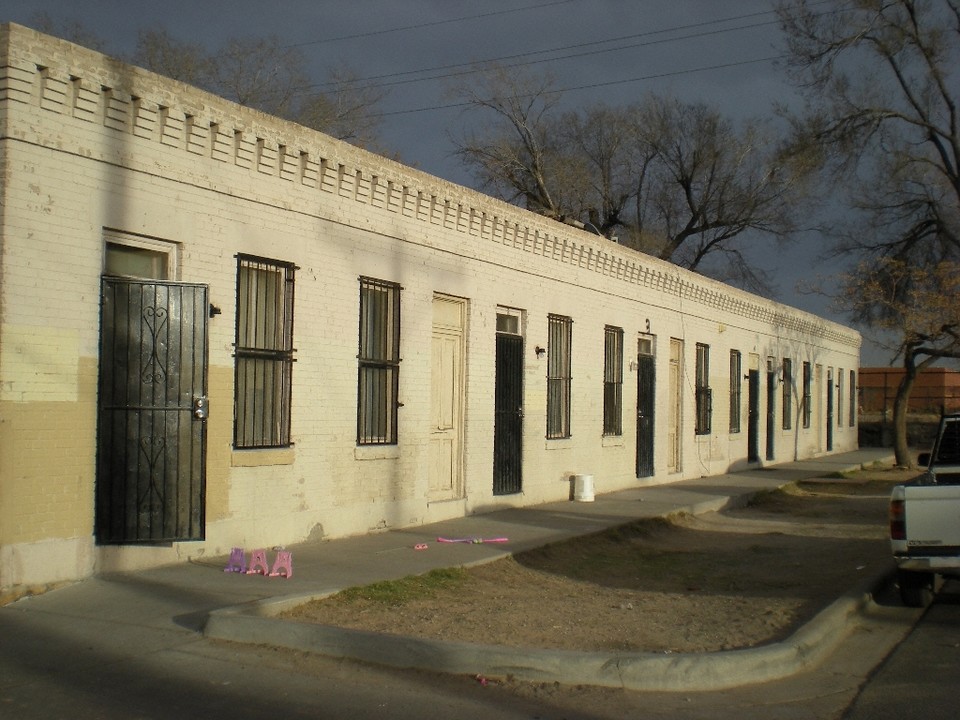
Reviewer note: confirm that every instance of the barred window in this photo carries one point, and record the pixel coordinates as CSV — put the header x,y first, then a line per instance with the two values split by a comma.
x,y
702,389
735,390
807,395
379,363
263,353
787,379
612,381
559,337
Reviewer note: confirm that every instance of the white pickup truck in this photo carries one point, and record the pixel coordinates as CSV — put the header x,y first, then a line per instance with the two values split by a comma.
x,y
925,519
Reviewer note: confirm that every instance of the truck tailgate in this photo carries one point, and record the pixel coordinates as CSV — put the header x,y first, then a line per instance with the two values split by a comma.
x,y
932,516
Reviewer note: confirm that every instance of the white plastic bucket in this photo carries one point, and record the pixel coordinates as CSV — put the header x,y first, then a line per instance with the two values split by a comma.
x,y
583,488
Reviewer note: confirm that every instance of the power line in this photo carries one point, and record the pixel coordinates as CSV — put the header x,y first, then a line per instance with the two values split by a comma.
x,y
433,23
473,68
609,83
561,48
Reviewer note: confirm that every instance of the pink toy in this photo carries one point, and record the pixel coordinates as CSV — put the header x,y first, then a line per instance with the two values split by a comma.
x,y
258,563
237,561
473,541
283,562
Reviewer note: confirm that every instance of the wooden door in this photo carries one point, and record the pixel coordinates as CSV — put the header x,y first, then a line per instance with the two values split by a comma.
x,y
674,398
447,397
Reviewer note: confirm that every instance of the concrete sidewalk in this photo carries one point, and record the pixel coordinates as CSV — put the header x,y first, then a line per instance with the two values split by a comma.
x,y
200,597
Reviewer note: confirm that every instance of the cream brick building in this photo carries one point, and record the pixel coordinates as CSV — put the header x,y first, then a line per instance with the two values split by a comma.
x,y
221,329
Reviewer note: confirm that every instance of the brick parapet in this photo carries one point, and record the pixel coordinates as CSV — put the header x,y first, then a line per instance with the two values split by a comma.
x,y
293,164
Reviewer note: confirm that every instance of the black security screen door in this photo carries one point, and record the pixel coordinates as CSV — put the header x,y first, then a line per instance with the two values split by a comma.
x,y
646,387
151,412
829,410
508,416
771,412
753,416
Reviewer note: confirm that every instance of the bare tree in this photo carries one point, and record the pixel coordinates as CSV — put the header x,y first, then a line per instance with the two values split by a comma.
x,y
518,155
673,179
261,73
70,29
599,143
918,306
881,78
344,109
158,51
705,183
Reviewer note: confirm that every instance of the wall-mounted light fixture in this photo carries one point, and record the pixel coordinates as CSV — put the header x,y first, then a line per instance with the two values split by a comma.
x,y
540,352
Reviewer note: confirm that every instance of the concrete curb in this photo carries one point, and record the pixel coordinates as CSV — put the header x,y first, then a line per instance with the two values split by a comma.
x,y
257,624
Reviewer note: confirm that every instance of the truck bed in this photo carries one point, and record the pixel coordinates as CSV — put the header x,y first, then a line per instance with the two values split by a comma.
x,y
931,517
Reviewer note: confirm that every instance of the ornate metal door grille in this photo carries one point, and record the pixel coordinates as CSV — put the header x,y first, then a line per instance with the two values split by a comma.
x,y
753,416
646,396
508,416
152,405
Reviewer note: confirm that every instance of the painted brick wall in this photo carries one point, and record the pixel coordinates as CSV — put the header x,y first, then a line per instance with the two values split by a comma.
x,y
90,147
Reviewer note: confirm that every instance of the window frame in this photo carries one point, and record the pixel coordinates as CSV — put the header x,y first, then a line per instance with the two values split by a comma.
x,y
612,380
702,392
163,255
378,362
807,394
263,368
559,375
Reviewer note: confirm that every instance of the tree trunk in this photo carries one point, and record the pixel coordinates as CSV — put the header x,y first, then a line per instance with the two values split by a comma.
x,y
900,405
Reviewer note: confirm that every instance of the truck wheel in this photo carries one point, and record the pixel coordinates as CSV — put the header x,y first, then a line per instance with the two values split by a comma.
x,y
916,588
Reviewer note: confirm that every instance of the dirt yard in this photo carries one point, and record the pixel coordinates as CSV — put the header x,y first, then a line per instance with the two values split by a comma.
x,y
694,583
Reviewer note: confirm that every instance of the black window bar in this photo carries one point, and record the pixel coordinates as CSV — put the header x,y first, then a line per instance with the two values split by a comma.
x,y
378,380
704,396
612,381
263,353
559,337
735,390
787,379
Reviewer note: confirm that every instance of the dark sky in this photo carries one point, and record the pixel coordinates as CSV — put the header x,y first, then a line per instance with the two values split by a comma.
x,y
721,52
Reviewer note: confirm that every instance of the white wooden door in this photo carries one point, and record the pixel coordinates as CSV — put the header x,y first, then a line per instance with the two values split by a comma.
x,y
446,398
675,415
